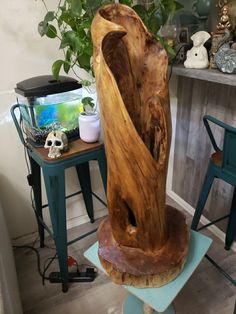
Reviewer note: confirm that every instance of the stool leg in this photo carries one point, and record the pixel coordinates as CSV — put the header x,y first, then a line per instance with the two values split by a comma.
x,y
36,175
83,173
102,162
202,198
55,189
231,228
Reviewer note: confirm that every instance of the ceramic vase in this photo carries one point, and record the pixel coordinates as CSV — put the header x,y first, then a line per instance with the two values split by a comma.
x,y
89,127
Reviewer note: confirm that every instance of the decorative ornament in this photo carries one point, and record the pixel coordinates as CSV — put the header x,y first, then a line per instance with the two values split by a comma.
x,y
225,57
224,22
57,142
197,56
143,242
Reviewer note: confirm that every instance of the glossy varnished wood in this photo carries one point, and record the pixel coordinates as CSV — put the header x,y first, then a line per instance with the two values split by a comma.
x,y
75,147
130,67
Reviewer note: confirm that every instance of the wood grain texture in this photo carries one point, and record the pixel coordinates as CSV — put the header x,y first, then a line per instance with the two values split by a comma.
x,y
192,145
131,76
209,75
75,147
143,269
134,123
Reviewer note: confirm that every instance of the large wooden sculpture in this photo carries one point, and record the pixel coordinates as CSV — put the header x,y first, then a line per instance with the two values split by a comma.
x,y
143,242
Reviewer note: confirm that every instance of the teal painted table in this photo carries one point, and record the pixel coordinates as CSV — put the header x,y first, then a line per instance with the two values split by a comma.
x,y
78,156
160,299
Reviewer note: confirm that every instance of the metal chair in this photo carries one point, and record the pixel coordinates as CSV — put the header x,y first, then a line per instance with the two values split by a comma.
x,y
222,165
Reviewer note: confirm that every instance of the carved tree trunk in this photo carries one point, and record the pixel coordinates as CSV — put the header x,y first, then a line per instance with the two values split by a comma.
x,y
143,242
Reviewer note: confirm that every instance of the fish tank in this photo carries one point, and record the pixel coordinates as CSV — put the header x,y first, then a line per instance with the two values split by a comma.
x,y
47,104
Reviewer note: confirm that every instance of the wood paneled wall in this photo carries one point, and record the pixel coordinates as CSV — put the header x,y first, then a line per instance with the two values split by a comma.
x,y
192,145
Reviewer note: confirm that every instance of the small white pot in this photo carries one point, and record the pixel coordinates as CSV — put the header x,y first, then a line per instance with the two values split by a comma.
x,y
89,127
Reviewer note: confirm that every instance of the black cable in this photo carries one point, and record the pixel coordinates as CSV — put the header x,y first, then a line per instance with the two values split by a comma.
x,y
25,148
50,259
173,60
45,268
36,252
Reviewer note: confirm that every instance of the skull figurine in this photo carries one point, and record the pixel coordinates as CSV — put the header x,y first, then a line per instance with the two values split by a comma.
x,y
57,142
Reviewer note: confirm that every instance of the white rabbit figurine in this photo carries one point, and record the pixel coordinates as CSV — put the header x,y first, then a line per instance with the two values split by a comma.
x,y
197,57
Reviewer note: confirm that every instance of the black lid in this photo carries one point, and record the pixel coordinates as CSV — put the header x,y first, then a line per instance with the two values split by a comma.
x,y
44,85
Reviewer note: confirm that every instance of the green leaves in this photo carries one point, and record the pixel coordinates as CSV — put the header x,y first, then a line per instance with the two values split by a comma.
x,y
88,101
127,2
89,106
84,61
47,29
49,16
155,21
56,67
71,21
76,6
44,28
70,39
51,31
141,11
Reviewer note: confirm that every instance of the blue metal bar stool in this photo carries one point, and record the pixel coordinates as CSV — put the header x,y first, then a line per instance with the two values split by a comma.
x,y
222,165
78,156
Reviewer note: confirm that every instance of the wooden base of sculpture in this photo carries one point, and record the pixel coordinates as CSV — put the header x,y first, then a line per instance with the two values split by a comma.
x,y
131,266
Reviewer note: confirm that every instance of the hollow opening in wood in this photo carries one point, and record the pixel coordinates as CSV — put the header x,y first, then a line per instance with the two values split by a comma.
x,y
117,59
131,217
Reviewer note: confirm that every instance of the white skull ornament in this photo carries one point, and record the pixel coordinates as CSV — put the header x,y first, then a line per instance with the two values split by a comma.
x,y
57,142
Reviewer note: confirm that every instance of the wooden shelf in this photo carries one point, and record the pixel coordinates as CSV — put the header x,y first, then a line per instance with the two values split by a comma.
x,y
210,75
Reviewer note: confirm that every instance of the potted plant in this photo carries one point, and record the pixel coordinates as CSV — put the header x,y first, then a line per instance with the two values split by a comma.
x,y
70,23
89,121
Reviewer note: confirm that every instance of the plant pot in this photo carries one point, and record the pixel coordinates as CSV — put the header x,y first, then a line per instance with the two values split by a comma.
x,y
89,127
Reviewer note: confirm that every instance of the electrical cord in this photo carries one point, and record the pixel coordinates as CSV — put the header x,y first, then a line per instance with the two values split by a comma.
x,y
174,59
50,260
37,255
45,267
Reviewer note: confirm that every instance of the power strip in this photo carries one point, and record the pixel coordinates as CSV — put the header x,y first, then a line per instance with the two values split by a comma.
x,y
88,276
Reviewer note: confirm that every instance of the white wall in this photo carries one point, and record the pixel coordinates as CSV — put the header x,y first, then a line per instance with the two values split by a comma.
x,y
25,54
9,294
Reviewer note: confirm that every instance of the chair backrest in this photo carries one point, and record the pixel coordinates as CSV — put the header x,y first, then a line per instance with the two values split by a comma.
x,y
229,144
17,123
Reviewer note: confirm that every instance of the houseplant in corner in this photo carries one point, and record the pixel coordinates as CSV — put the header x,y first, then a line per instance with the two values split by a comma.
x,y
70,23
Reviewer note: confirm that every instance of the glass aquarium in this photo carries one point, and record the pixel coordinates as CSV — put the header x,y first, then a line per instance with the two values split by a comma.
x,y
47,104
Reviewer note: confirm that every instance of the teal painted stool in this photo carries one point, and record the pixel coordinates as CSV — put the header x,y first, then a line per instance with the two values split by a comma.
x,y
222,165
160,299
78,156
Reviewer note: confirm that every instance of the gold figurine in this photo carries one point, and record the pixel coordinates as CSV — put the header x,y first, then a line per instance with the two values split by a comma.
x,y
224,22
